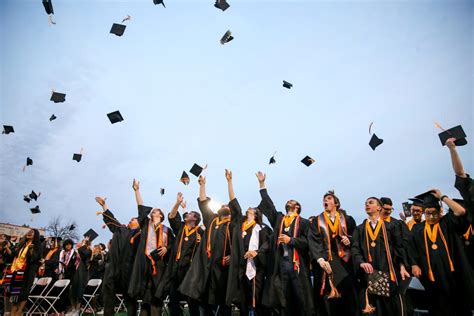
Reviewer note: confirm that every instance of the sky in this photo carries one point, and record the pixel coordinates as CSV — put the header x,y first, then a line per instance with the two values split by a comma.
x,y
185,98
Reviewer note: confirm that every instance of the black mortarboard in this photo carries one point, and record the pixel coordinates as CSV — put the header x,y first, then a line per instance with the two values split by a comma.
x,y
429,200
7,129
456,132
338,272
184,178
72,227
272,160
34,196
48,6
162,191
77,157
115,117
227,37
52,118
196,170
287,85
29,161
91,234
406,209
417,202
35,210
26,198
221,4
57,97
375,142
118,29
159,2
308,161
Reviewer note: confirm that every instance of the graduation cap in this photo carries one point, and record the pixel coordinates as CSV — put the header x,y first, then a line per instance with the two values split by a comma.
x,y
77,157
227,37
196,170
406,209
455,132
287,85
379,283
159,2
48,6
57,97
115,117
91,234
184,178
35,210
72,227
52,118
429,200
375,142
118,29
338,272
26,198
162,191
7,129
34,196
416,202
29,161
308,161
221,4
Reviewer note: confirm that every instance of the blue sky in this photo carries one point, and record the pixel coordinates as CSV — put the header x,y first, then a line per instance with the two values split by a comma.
x,y
186,98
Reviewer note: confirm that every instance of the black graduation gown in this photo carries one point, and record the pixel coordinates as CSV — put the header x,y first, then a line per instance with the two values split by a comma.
x,y
276,294
236,289
392,305
81,276
319,248
451,290
121,255
51,266
142,269
177,269
48,6
206,279
465,187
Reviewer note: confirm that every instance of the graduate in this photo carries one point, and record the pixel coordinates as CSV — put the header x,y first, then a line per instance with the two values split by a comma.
x,y
207,278
20,275
290,288
440,261
188,237
152,255
330,246
51,259
416,210
250,247
120,259
379,257
81,275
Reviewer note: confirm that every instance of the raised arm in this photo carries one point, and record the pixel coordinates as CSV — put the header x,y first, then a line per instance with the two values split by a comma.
x,y
455,159
266,205
230,185
202,188
174,210
457,209
174,217
107,216
136,188
203,202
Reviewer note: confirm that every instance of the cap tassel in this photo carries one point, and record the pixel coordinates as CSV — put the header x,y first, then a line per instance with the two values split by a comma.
x,y
368,308
334,292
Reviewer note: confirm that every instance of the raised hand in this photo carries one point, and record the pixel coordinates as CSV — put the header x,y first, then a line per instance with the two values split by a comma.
x,y
136,185
450,143
183,205
437,193
261,177
228,175
179,198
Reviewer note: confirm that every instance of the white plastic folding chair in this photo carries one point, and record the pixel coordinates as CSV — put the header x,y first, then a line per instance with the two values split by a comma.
x,y
36,293
121,305
93,286
47,302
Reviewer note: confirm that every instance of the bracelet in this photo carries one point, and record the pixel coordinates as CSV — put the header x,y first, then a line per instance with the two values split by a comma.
x,y
442,197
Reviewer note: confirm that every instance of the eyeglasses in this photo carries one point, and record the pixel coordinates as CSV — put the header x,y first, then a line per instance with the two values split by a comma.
x,y
432,215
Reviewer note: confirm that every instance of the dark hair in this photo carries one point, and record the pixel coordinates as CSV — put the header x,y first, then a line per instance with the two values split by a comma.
x,y
336,199
258,215
224,211
68,242
376,199
386,200
196,214
287,208
102,246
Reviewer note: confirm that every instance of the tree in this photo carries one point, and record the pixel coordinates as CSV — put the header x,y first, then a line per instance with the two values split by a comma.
x,y
68,230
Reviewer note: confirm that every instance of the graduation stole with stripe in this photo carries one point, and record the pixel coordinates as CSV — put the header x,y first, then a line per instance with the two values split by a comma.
x,y
216,222
186,231
247,225
161,240
19,263
432,234
339,228
286,221
373,236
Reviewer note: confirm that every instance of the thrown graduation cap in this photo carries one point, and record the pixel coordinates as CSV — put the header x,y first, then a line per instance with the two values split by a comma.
x,y
308,161
91,234
115,117
221,4
287,85
162,191
77,157
34,196
7,129
184,178
429,200
272,159
72,227
29,161
118,29
455,132
35,210
52,118
48,6
159,2
26,198
375,142
227,37
57,97
196,170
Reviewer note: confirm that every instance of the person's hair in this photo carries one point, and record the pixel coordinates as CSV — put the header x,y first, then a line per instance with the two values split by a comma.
x,y
258,215
102,246
196,214
224,211
287,208
376,199
68,242
161,213
386,200
334,196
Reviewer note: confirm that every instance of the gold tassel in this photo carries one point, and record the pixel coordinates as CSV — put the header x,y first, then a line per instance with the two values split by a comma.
x,y
334,292
368,308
